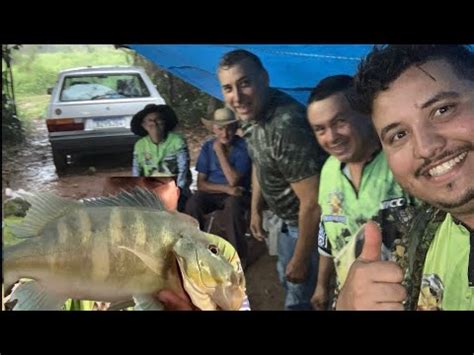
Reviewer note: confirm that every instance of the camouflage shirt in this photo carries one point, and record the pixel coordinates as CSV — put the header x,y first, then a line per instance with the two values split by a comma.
x,y
283,150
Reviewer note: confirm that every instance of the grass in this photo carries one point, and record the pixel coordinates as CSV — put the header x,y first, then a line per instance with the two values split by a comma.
x,y
34,72
32,107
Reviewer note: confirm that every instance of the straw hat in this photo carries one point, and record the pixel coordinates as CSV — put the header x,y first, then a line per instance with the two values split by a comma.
x,y
221,117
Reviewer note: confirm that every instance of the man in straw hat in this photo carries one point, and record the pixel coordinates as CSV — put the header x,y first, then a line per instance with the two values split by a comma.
x,y
224,169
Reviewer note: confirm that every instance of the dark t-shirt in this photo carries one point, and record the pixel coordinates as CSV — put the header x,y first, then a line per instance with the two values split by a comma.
x,y
283,149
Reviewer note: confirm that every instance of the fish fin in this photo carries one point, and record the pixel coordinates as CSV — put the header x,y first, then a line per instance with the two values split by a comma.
x,y
138,197
147,303
45,207
154,264
32,296
119,305
185,217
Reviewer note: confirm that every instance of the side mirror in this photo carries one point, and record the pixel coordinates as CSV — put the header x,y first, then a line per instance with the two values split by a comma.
x,y
49,91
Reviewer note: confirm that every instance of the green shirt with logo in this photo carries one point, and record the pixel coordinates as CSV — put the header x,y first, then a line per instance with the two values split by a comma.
x,y
345,210
171,156
448,272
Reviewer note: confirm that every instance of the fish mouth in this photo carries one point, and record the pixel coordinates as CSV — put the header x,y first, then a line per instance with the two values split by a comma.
x,y
195,294
181,283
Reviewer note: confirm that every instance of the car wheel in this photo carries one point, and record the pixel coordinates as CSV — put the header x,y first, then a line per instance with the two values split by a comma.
x,y
60,161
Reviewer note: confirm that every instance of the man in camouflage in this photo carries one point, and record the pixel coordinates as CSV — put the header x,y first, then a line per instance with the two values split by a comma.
x,y
286,162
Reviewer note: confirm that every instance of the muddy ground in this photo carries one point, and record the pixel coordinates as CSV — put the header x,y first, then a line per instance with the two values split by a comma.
x,y
30,167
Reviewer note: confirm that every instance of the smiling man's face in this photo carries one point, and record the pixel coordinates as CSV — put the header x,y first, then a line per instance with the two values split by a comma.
x,y
425,120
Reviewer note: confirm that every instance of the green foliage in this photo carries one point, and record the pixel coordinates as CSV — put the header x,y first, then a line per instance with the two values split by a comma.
x,y
8,237
30,107
12,130
36,68
35,73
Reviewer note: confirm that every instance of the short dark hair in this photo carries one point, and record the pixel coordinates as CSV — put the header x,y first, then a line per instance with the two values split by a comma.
x,y
231,58
329,86
386,63
165,112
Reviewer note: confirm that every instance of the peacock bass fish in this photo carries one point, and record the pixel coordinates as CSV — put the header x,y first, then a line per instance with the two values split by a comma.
x,y
114,249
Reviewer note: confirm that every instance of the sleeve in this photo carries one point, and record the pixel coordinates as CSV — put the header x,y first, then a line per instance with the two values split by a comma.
x,y
135,167
202,164
298,153
324,247
242,163
182,157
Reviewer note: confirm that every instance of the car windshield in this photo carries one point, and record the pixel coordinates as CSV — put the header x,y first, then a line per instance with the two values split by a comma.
x,y
103,87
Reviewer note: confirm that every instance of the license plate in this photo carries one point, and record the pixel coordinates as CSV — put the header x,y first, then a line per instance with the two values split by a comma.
x,y
109,122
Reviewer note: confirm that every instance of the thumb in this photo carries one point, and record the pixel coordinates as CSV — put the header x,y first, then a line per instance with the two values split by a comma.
x,y
371,250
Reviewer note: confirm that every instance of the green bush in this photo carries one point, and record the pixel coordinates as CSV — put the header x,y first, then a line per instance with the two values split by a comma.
x,y
33,74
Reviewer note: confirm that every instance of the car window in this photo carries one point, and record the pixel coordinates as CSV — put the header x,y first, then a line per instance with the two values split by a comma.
x,y
103,87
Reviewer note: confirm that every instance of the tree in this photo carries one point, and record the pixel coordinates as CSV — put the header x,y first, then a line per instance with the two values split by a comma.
x,y
190,103
12,130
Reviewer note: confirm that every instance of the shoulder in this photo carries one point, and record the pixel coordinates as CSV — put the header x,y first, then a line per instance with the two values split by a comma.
x,y
207,146
332,163
141,142
176,136
286,108
239,142
331,166
381,160
176,139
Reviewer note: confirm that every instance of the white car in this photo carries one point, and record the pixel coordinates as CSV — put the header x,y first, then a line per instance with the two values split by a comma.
x,y
91,108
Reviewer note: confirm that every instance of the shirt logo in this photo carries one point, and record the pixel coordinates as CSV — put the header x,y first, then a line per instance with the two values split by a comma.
x,y
335,201
431,293
393,203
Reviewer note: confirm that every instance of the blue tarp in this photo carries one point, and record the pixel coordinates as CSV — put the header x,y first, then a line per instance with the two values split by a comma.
x,y
294,69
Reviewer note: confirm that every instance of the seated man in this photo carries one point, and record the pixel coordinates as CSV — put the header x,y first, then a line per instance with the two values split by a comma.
x,y
224,168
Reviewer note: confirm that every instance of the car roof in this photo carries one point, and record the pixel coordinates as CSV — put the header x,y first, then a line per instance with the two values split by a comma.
x,y
102,69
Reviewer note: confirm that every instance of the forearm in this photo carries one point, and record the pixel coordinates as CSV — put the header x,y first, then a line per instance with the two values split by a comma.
x,y
232,175
212,188
308,221
326,269
257,197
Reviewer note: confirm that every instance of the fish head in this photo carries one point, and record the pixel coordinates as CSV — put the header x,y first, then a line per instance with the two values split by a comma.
x,y
211,272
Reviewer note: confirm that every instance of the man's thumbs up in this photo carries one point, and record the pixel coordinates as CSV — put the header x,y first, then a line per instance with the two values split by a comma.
x,y
372,283
371,249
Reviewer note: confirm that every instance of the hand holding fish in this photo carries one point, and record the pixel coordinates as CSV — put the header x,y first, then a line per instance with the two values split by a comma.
x,y
173,301
116,249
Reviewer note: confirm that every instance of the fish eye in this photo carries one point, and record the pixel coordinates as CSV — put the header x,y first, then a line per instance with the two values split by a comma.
x,y
214,249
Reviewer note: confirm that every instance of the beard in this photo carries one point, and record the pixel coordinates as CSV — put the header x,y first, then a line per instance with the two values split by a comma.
x,y
462,201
